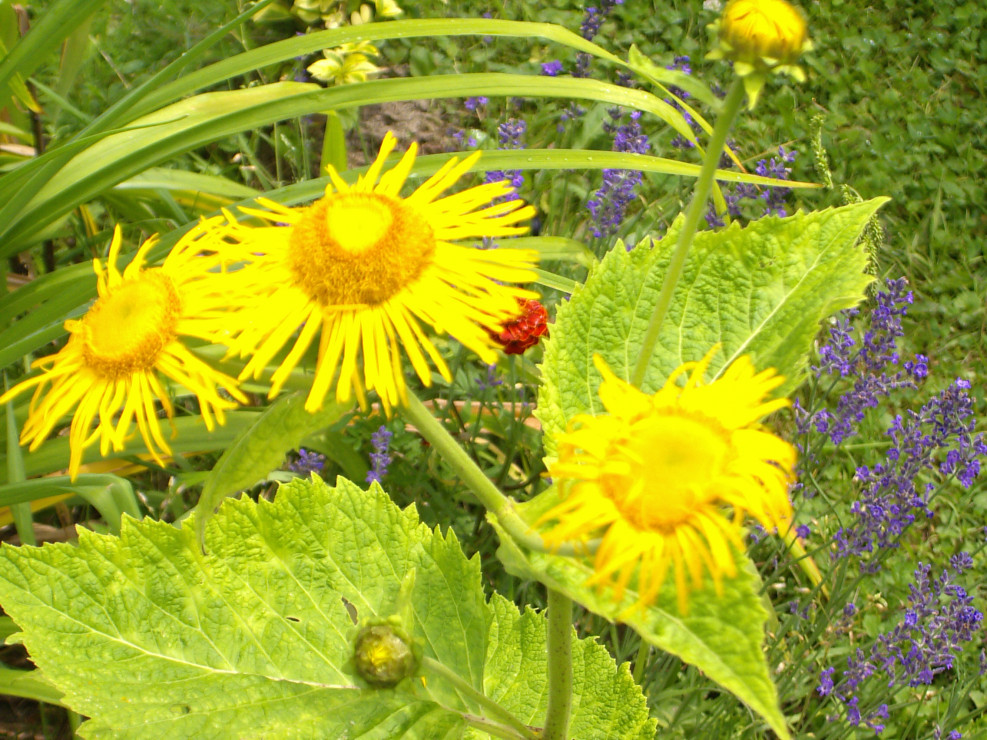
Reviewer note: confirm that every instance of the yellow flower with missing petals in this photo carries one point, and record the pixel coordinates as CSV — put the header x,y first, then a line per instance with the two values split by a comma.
x,y
119,350
656,474
760,37
363,269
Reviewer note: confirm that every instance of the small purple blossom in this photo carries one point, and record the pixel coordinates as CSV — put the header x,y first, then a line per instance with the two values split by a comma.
x,y
803,531
308,462
681,64
609,202
510,134
464,141
953,735
938,619
492,380
773,197
380,458
592,21
595,16
890,494
551,69
474,103
868,356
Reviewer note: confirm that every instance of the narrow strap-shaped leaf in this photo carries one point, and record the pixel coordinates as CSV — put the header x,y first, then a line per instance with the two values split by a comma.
x,y
53,26
261,448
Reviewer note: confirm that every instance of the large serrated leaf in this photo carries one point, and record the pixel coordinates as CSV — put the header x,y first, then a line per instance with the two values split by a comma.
x,y
721,634
761,290
149,635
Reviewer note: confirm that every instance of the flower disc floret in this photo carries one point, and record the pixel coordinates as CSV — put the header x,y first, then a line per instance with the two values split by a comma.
x,y
657,475
125,331
363,271
358,249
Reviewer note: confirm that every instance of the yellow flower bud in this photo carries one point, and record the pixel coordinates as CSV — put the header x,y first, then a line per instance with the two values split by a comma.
x,y
760,37
770,29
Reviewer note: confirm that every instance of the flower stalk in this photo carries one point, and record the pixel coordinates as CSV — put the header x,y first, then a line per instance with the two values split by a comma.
x,y
476,480
704,185
517,728
559,666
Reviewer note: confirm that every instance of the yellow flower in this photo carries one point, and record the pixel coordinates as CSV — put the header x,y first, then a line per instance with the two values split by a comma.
x,y
345,64
759,37
119,350
655,474
363,269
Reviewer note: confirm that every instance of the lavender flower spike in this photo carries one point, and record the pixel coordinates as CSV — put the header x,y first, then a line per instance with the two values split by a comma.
x,y
380,458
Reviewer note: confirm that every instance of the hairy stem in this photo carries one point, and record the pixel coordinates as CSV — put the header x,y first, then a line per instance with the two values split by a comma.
x,y
559,666
704,185
476,480
496,711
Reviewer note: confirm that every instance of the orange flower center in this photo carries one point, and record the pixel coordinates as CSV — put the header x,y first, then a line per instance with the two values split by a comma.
x,y
355,248
125,330
672,465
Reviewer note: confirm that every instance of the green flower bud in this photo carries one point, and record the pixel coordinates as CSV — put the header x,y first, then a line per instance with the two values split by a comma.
x,y
384,654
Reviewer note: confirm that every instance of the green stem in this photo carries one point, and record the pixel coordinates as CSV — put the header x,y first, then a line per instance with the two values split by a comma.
x,y
643,651
23,518
704,185
502,715
476,480
559,666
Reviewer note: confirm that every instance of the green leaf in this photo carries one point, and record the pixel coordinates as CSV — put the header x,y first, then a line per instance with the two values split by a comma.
x,y
721,634
53,26
192,438
253,637
761,290
261,447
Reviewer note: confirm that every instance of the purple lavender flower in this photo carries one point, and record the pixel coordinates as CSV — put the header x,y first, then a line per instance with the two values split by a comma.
x,y
380,458
938,619
756,533
775,198
510,134
890,493
681,64
491,381
595,16
868,359
592,21
463,141
472,104
713,219
308,462
608,204
953,735
551,69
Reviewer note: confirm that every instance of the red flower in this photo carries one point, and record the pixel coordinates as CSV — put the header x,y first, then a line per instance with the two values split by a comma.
x,y
523,332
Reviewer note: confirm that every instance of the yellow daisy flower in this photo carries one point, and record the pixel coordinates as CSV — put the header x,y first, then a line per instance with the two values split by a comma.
x,y
117,352
654,475
363,269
